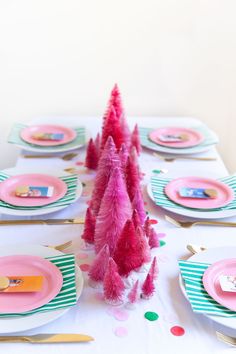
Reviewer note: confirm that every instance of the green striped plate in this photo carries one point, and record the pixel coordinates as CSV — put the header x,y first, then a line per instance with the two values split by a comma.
x,y
200,300
67,295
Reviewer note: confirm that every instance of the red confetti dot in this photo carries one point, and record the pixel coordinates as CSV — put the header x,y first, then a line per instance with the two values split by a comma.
x,y
80,163
177,331
145,203
84,267
153,221
143,173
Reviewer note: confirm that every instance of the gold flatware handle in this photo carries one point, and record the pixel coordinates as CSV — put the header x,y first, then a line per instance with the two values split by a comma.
x,y
47,338
218,223
38,156
172,158
42,222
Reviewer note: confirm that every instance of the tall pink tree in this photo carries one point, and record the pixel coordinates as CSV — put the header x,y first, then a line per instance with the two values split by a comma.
x,y
113,285
127,251
154,269
132,178
89,227
123,155
99,266
135,219
108,161
138,204
135,140
114,211
112,128
125,131
91,160
144,249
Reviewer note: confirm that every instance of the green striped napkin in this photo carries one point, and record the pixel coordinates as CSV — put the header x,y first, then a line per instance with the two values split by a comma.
x,y
14,138
210,138
158,185
67,294
70,196
200,300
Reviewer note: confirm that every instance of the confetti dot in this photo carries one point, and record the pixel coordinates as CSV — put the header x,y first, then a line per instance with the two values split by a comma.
x,y
162,243
145,203
83,184
84,267
82,255
177,331
156,171
161,235
121,315
99,296
80,163
143,173
88,202
147,213
85,194
151,316
121,331
153,221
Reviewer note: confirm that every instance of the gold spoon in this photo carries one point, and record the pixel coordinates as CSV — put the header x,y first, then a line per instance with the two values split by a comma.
x,y
66,157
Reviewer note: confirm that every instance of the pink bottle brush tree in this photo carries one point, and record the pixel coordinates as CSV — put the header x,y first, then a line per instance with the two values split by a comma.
x,y
114,211
135,140
99,267
113,285
144,249
108,161
133,295
135,219
116,101
97,143
154,269
127,251
91,160
112,128
148,287
132,178
138,204
153,239
123,155
89,227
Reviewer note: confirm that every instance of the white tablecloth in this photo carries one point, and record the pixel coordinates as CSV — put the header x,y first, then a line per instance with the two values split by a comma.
x,y
91,316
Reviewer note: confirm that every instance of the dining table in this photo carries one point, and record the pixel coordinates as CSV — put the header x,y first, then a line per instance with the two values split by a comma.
x,y
128,330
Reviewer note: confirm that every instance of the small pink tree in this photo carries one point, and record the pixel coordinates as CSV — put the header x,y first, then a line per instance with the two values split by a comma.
x,y
114,211
147,226
91,160
132,178
135,219
112,128
138,204
148,287
135,140
108,161
123,155
133,294
153,239
144,250
89,227
113,285
99,266
154,269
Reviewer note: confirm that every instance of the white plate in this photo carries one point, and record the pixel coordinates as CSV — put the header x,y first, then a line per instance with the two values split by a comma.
x,y
186,123
19,324
41,211
210,256
194,213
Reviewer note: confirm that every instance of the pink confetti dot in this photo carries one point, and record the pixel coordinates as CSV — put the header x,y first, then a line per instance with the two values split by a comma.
x,y
143,173
88,202
80,163
177,331
82,256
121,315
153,221
85,194
121,331
161,235
99,296
84,267
145,203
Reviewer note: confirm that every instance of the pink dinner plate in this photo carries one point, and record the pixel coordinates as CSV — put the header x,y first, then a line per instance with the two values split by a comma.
x,y
29,265
212,285
8,188
194,137
225,194
27,134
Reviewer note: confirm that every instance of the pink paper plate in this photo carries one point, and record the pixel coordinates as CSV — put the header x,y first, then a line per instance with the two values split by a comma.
x,y
212,285
194,137
29,265
27,134
8,188
224,193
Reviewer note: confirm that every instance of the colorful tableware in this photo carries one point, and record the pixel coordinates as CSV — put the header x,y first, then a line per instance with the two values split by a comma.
x,y
29,265
193,137
224,193
212,284
27,134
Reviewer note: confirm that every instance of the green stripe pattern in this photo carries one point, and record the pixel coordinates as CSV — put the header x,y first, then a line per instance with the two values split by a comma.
x,y
200,300
67,295
209,137
158,185
70,196
14,138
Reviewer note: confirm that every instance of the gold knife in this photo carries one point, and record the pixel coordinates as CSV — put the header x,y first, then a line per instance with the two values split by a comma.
x,y
47,338
43,222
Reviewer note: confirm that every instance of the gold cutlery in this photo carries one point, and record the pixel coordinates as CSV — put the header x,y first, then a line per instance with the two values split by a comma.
x,y
195,248
62,246
226,339
173,158
47,338
188,224
43,222
66,157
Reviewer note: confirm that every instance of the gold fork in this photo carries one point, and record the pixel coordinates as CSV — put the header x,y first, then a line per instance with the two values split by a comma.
x,y
62,246
226,339
188,224
66,157
173,158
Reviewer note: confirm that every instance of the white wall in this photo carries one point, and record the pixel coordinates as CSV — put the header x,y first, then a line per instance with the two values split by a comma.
x,y
169,57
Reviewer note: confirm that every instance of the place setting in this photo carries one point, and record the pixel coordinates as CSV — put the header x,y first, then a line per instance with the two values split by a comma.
x,y
178,138
195,197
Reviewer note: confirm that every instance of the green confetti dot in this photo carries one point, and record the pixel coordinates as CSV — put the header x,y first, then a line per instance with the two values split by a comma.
x,y
156,171
151,316
147,213
162,243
